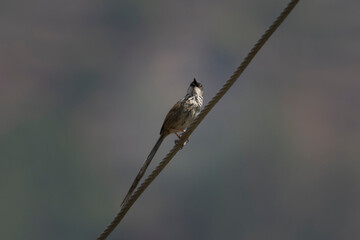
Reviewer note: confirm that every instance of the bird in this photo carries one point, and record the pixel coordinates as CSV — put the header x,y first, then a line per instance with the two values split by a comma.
x,y
178,119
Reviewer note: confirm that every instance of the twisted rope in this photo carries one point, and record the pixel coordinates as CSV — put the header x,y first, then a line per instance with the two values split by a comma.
x,y
127,205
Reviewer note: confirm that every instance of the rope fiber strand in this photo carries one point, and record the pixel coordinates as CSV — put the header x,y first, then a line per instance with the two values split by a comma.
x,y
127,205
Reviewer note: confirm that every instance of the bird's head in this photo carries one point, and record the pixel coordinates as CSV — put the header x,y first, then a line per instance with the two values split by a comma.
x,y
195,89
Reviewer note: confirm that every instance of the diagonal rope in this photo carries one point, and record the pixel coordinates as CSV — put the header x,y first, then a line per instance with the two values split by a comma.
x,y
127,205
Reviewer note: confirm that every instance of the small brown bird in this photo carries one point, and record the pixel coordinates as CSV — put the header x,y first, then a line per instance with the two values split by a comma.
x,y
177,120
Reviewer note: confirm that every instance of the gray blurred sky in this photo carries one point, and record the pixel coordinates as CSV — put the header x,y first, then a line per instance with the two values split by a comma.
x,y
85,86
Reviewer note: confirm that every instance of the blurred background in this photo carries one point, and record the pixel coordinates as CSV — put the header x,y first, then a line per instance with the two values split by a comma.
x,y
85,86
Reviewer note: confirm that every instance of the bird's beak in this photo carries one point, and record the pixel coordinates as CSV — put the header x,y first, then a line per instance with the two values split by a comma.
x,y
196,82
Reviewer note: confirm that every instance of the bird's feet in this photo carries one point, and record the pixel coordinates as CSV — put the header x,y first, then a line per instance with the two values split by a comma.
x,y
179,136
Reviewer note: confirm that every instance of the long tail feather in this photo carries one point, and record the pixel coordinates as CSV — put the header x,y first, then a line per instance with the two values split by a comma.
x,y
143,169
